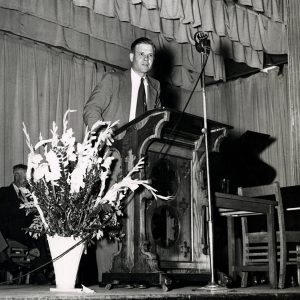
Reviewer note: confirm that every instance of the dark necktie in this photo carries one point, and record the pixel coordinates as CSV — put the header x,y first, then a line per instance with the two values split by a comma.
x,y
141,105
20,195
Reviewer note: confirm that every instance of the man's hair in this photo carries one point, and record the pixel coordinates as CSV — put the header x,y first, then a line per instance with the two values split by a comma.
x,y
18,167
142,40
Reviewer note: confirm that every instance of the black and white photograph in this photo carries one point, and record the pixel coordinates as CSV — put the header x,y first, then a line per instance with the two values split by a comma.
x,y
149,149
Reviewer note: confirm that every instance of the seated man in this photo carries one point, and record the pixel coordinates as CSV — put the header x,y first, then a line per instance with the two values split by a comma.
x,y
13,222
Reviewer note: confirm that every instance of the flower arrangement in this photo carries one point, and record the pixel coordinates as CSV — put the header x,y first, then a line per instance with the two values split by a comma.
x,y
68,184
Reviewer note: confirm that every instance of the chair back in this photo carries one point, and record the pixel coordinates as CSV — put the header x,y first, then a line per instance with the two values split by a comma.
x,y
255,244
262,191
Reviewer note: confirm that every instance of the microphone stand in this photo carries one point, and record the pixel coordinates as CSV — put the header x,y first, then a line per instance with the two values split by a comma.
x,y
212,286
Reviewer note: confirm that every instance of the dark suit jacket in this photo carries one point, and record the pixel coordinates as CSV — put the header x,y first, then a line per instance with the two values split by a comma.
x,y
111,98
12,218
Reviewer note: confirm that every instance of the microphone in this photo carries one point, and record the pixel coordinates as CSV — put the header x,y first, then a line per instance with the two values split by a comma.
x,y
202,42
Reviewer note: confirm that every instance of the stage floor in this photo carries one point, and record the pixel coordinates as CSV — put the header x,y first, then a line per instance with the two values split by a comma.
x,y
43,292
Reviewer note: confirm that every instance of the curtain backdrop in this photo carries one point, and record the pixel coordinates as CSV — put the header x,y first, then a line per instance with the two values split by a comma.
x,y
38,84
105,29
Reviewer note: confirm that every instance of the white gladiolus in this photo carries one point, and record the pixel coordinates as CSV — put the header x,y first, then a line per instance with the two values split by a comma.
x,y
67,138
33,162
42,171
107,162
76,180
42,143
68,183
99,234
53,161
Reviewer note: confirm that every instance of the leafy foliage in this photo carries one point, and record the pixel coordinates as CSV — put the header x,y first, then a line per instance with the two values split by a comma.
x,y
69,184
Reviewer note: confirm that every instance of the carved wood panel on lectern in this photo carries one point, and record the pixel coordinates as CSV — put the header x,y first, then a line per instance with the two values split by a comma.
x,y
169,222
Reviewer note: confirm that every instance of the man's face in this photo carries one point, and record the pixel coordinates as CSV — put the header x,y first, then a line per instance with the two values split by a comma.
x,y
142,58
20,177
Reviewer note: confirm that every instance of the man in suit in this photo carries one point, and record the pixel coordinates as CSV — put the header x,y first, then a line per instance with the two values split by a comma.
x,y
115,97
13,222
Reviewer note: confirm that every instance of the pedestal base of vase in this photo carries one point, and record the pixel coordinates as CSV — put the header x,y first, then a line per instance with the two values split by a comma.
x,y
62,290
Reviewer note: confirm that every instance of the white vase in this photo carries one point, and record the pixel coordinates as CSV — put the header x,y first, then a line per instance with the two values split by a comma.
x,y
65,267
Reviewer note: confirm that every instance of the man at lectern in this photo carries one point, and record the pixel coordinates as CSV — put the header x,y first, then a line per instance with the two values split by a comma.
x,y
125,95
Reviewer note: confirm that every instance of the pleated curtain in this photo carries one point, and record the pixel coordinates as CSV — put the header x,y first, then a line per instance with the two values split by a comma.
x,y
39,83
104,29
258,103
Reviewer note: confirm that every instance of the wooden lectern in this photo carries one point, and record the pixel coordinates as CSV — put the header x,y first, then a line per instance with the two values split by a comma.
x,y
165,240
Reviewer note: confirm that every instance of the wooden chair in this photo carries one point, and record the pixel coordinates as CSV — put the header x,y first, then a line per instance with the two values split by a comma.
x,y
235,207
254,244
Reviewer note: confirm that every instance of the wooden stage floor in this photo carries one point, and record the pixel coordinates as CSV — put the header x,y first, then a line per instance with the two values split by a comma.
x,y
38,292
